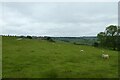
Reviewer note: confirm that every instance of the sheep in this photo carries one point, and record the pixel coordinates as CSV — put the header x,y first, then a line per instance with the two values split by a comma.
x,y
81,50
19,39
105,56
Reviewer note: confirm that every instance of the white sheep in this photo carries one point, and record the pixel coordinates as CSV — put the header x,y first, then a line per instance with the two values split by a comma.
x,y
19,39
81,50
105,56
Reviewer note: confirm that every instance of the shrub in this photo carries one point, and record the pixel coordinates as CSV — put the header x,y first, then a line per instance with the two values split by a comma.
x,y
95,44
29,37
50,39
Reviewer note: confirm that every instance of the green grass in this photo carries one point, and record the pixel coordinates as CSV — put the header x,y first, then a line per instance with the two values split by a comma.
x,y
0,57
42,59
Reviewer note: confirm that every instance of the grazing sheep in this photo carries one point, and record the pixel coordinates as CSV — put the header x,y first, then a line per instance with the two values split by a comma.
x,y
81,50
105,56
19,39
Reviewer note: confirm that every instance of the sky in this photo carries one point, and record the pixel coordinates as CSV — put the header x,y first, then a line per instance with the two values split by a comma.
x,y
57,19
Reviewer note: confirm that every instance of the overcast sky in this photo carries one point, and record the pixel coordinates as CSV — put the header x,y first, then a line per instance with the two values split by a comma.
x,y
57,19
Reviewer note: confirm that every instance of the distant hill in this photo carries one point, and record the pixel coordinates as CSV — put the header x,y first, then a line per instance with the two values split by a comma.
x,y
77,40
85,40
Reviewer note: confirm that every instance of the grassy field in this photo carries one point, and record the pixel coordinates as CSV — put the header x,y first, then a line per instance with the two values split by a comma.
x,y
0,57
30,58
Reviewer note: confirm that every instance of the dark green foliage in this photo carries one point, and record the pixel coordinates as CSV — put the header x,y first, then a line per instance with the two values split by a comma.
x,y
29,37
101,38
75,43
95,44
109,38
79,43
21,36
50,39
118,43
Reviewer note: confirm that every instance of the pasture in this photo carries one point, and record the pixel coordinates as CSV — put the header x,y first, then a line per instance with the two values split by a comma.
x,y
33,58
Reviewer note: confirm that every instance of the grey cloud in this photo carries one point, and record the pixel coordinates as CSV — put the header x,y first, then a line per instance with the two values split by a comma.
x,y
58,19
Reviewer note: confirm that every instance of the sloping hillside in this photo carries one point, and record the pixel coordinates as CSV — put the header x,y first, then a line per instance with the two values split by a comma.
x,y
32,58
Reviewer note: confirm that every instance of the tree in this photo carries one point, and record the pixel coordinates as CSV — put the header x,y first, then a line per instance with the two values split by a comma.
x,y
111,30
50,39
101,38
111,35
118,39
29,37
109,38
95,44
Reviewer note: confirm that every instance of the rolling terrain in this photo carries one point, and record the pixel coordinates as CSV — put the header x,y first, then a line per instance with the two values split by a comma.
x,y
33,58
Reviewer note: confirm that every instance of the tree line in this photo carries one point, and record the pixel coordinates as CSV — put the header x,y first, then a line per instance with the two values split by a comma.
x,y
110,38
